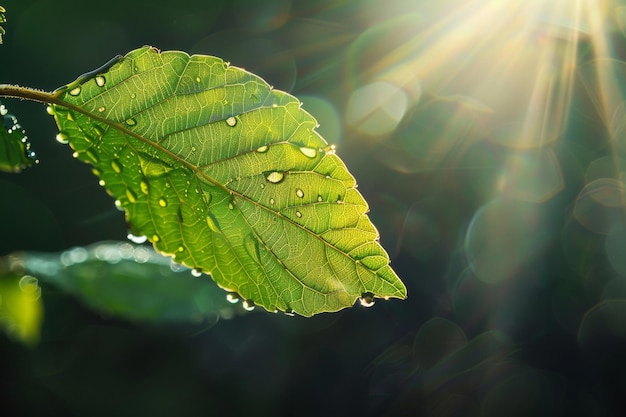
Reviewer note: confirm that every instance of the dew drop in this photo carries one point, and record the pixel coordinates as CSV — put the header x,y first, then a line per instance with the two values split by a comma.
x,y
298,214
248,305
231,206
49,110
198,79
196,272
75,91
275,177
133,95
319,198
274,105
102,183
136,239
180,249
262,185
100,80
289,312
162,202
75,155
155,238
96,172
99,130
3,110
131,122
262,149
132,197
117,167
211,221
272,201
101,109
62,138
232,297
308,152
231,121
145,187
118,205
91,155
300,193
367,299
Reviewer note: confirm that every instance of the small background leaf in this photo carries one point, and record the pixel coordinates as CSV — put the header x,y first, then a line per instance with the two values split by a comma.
x,y
15,152
228,176
2,20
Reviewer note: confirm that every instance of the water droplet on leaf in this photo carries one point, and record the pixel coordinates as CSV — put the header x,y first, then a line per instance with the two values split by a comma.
x,y
262,149
145,187
75,91
155,238
298,214
162,202
100,80
62,138
91,155
99,130
308,152
232,297
132,197
300,193
101,109
49,110
131,122
272,201
231,121
211,221
319,198
367,299
136,239
117,167
275,177
196,272
248,305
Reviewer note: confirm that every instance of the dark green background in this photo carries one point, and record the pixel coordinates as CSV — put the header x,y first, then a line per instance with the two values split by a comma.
x,y
376,361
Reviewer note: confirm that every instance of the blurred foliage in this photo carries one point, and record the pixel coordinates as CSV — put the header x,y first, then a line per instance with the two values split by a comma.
x,y
129,281
21,309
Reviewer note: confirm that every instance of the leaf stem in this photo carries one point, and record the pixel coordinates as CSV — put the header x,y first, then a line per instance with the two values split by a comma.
x,y
27,93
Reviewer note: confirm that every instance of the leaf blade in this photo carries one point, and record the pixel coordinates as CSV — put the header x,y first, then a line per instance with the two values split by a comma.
x,y
229,176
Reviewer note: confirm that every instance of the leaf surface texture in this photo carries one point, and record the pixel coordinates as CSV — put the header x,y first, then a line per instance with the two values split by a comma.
x,y
229,176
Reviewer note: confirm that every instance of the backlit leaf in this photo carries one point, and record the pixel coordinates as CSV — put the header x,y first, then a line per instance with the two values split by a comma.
x,y
229,177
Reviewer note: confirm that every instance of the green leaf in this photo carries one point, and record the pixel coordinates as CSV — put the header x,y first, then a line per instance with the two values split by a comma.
x,y
230,177
130,281
15,152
